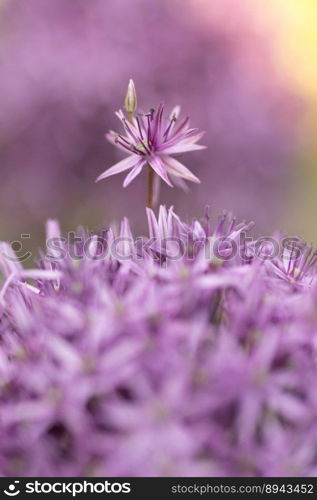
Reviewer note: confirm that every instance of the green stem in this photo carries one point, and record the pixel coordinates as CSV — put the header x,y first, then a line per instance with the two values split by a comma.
x,y
150,180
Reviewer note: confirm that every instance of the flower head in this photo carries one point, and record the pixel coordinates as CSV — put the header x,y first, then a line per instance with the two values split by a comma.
x,y
114,362
297,264
151,140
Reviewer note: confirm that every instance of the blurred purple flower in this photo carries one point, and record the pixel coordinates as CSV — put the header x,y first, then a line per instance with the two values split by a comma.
x,y
147,365
296,263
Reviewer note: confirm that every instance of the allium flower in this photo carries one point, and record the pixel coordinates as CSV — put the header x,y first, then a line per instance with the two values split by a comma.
x,y
121,360
295,264
151,140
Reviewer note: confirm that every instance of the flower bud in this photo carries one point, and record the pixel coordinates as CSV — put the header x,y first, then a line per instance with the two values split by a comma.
x,y
130,101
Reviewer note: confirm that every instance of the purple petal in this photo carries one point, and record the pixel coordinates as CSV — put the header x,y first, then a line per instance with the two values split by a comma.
x,y
180,183
157,124
121,166
154,230
133,173
176,168
158,166
183,148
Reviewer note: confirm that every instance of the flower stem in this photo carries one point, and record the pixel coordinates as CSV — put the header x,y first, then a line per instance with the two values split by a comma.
x,y
150,180
217,312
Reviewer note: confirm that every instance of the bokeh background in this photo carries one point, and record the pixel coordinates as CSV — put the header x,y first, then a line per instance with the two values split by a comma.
x,y
244,70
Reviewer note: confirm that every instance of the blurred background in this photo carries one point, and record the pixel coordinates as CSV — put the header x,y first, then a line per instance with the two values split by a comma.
x,y
244,70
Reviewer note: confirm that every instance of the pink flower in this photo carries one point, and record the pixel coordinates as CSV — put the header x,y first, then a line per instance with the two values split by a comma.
x,y
150,140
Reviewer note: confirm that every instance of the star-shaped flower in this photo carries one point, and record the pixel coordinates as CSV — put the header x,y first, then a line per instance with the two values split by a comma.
x,y
151,140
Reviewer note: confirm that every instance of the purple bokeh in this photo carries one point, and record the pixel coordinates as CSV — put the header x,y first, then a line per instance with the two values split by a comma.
x,y
64,70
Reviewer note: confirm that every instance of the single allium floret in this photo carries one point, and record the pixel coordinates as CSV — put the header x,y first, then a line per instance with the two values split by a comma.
x,y
296,263
151,140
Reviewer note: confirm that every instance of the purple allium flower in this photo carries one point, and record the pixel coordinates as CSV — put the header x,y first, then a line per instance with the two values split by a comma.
x,y
296,263
151,140
119,359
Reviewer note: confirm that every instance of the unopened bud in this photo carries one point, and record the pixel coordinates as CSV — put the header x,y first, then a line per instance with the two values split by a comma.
x,y
130,101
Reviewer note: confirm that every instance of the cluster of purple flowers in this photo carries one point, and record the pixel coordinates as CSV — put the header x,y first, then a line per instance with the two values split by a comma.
x,y
151,366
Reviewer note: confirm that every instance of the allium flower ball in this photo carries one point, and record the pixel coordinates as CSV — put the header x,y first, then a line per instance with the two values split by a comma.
x,y
178,354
